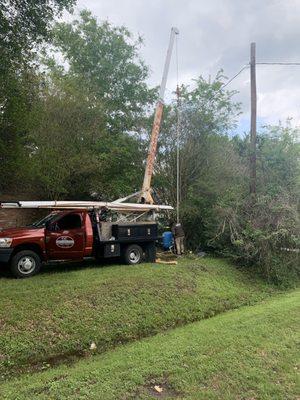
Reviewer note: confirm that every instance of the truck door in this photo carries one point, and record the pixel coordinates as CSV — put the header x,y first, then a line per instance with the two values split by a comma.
x,y
65,237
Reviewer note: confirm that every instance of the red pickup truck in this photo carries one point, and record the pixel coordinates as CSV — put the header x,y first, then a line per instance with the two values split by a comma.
x,y
74,235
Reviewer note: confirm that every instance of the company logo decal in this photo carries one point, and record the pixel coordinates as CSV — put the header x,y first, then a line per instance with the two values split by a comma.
x,y
65,242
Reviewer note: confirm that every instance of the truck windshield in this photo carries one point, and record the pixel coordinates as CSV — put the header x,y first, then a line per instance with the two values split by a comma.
x,y
41,223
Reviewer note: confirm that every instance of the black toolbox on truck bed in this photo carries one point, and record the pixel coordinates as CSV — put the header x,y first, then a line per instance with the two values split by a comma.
x,y
146,231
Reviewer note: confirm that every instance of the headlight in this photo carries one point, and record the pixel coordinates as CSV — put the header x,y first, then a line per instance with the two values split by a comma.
x,y
5,242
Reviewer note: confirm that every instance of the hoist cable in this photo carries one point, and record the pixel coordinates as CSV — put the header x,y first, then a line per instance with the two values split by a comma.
x,y
177,135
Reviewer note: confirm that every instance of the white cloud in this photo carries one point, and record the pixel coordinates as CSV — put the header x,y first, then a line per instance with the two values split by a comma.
x,y
217,34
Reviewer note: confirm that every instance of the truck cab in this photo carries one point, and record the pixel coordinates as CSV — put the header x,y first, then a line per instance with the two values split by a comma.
x,y
75,235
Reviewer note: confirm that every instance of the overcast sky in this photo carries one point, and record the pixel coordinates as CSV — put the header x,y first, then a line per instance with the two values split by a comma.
x,y
217,34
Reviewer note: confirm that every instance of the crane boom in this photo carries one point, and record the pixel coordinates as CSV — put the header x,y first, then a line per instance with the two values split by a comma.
x,y
146,188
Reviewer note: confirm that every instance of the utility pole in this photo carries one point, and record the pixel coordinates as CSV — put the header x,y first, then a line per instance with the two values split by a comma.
x,y
253,122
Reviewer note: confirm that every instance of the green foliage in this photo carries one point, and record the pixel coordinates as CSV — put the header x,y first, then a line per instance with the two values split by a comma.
x,y
14,124
23,25
278,161
264,235
84,138
264,232
215,208
104,62
121,166
71,153
210,167
64,125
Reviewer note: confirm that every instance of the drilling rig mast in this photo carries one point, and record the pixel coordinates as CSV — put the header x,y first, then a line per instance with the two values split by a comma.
x,y
145,196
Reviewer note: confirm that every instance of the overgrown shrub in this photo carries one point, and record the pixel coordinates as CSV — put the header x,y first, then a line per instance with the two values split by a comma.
x,y
263,234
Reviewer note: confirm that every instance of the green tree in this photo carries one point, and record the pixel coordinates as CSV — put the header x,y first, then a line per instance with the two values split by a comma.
x,y
89,117
278,157
210,168
265,234
14,122
23,26
104,62
71,153
61,141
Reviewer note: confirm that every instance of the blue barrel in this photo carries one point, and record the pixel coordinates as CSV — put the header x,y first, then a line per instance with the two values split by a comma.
x,y
167,240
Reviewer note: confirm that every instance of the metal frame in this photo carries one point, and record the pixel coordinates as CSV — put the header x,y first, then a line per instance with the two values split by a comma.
x,y
89,205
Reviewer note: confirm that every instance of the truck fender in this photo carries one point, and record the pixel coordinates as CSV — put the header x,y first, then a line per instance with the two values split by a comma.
x,y
29,246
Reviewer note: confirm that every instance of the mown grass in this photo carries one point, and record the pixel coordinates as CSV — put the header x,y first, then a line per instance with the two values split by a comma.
x,y
53,318
248,354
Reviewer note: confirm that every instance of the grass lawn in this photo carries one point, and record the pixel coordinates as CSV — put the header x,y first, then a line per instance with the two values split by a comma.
x,y
248,354
54,317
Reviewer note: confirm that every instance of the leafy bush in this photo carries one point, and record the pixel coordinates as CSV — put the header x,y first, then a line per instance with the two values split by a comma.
x,y
264,234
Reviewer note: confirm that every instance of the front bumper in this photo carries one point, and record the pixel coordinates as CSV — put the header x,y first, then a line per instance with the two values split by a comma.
x,y
5,255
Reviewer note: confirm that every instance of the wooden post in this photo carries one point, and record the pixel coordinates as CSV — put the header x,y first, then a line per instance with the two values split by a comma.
x,y
253,122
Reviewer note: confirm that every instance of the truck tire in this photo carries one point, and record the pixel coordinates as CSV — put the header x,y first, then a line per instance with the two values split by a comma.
x,y
25,263
133,254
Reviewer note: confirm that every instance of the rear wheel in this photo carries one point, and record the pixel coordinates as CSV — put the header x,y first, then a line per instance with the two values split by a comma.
x,y
133,254
25,263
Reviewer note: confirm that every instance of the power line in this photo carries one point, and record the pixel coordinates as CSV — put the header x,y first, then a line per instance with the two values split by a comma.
x,y
258,63
235,76
248,65
278,63
228,82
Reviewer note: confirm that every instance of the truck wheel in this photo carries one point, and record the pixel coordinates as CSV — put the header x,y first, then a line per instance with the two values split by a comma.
x,y
133,254
25,263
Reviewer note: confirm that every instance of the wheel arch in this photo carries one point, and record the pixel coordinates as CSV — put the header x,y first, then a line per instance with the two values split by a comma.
x,y
28,246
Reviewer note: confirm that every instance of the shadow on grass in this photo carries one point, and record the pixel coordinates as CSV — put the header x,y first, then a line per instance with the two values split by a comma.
x,y
64,267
